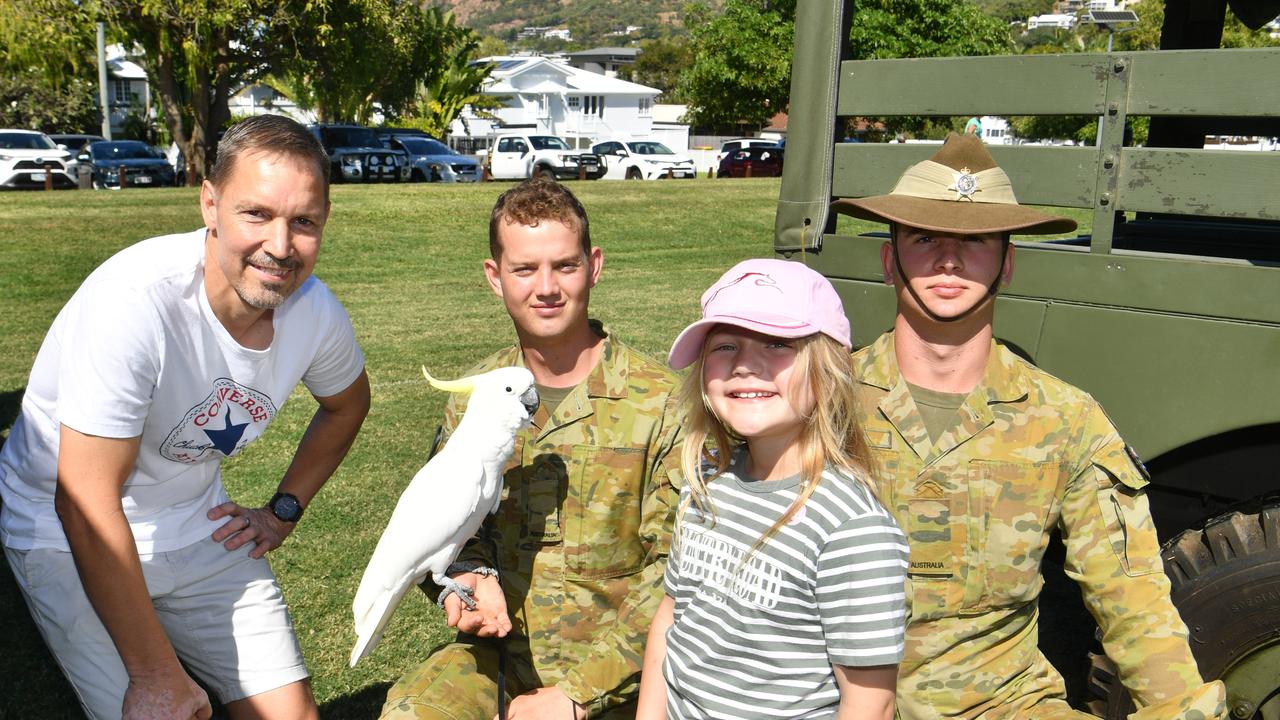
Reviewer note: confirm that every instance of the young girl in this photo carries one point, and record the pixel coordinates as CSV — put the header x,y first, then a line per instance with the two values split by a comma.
x,y
785,582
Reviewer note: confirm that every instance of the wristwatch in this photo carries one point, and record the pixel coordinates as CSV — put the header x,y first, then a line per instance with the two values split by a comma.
x,y
285,507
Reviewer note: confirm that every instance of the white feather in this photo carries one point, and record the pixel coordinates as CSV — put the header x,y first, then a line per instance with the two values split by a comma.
x,y
445,503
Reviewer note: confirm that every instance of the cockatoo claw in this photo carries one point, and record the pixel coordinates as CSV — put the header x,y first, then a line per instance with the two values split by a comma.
x,y
465,593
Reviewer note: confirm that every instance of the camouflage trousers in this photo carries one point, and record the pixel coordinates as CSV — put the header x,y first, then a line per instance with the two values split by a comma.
x,y
459,681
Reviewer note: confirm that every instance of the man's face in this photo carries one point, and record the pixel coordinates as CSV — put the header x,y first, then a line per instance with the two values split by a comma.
x,y
265,224
543,278
949,272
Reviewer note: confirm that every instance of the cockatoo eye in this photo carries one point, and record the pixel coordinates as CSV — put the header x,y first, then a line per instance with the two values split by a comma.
x,y
508,388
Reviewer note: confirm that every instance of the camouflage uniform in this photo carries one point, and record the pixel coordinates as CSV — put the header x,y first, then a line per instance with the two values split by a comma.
x,y
582,534
1028,453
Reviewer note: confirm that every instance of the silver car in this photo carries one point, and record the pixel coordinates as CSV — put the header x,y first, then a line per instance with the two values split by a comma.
x,y
433,161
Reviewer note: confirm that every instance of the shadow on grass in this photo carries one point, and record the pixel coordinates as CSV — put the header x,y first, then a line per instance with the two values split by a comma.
x,y
10,403
365,703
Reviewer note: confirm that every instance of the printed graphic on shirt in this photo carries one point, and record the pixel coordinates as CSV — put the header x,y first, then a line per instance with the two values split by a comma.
x,y
231,417
717,566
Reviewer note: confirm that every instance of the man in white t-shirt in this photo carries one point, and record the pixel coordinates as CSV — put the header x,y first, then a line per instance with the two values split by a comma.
x,y
173,355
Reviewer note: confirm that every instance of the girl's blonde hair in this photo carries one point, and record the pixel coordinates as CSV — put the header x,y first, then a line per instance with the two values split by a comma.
x,y
832,433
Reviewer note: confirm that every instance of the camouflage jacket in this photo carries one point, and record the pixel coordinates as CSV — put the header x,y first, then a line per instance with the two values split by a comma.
x,y
1029,453
584,526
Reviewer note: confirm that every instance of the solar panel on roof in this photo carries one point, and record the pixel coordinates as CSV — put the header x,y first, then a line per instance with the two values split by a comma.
x,y
1113,16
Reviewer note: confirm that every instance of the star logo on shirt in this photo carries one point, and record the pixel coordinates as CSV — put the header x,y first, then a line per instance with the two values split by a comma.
x,y
224,440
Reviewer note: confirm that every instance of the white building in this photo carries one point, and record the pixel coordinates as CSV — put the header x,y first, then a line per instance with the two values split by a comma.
x,y
547,97
602,60
265,100
128,92
1060,21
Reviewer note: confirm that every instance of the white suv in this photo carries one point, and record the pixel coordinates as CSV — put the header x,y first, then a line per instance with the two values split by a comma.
x,y
520,156
27,158
642,160
739,143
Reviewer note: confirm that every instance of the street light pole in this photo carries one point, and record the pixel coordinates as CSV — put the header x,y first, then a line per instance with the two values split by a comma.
x,y
102,80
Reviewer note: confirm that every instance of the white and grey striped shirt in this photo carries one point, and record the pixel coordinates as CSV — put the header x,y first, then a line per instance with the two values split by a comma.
x,y
755,635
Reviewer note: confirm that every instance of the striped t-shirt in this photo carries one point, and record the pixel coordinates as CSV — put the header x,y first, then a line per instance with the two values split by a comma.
x,y
756,636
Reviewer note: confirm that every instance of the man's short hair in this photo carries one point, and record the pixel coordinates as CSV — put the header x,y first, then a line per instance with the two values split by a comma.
x,y
271,133
535,201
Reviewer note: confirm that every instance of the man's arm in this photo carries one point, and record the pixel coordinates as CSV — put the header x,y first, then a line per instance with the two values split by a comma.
x,y
1113,553
91,472
323,446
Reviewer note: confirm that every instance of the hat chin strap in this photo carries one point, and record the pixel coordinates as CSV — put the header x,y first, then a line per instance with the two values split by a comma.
x,y
992,289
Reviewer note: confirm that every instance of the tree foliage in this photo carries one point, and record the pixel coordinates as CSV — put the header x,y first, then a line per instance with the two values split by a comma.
x,y
52,38
29,100
741,69
349,57
659,65
442,98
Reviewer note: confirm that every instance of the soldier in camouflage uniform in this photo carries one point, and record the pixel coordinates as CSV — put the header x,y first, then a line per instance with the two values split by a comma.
x,y
580,539
982,455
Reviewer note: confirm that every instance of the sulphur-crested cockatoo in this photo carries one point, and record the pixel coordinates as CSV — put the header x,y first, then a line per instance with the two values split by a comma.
x,y
445,503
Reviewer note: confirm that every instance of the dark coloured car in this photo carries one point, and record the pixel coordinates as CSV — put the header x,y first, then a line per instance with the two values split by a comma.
x,y
432,161
759,161
73,142
140,164
356,155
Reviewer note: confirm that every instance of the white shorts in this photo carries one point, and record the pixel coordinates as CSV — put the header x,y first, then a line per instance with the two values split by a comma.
x,y
223,613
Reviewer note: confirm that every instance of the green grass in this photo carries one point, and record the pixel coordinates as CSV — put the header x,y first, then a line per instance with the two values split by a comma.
x,y
405,260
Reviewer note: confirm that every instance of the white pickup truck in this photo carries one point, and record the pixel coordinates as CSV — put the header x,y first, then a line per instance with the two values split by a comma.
x,y
516,156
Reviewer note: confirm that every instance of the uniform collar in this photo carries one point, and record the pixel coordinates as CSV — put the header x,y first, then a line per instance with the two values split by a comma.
x,y
1003,382
608,379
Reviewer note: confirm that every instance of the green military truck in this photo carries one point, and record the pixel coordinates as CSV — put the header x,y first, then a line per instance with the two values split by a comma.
x,y
1168,313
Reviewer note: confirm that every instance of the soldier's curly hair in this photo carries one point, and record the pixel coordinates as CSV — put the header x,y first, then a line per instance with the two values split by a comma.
x,y
535,201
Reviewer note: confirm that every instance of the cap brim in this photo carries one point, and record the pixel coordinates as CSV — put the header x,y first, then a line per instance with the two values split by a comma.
x,y
688,343
970,218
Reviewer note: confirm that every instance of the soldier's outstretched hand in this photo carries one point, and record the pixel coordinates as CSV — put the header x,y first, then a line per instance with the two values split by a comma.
x,y
490,618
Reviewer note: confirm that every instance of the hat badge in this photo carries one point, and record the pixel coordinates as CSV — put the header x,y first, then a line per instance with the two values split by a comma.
x,y
966,184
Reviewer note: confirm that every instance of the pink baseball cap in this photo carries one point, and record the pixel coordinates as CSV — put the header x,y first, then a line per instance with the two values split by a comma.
x,y
774,297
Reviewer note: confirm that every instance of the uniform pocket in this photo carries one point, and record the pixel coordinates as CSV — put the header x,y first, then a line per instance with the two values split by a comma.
x,y
602,512
1129,528
1013,505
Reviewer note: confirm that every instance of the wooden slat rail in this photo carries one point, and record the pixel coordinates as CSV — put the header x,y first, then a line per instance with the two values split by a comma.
x,y
1108,177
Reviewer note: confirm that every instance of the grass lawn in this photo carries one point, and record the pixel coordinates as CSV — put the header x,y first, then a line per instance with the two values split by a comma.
x,y
405,260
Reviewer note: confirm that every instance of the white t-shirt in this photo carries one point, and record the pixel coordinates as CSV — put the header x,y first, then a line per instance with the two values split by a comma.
x,y
138,351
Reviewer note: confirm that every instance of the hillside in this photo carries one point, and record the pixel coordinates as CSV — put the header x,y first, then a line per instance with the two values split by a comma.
x,y
589,21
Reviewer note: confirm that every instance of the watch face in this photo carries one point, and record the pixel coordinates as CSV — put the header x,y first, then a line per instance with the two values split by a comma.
x,y
286,507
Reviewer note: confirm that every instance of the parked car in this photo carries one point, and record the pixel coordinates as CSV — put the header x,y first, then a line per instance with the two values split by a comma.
x,y
758,161
27,158
73,142
432,161
356,155
729,146
519,156
642,160
139,163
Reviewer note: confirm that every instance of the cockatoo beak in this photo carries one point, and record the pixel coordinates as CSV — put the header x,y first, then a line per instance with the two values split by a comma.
x,y
530,400
465,385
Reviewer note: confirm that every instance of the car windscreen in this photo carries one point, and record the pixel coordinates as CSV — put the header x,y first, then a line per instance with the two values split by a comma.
x,y
122,151
649,148
348,137
425,146
25,141
547,142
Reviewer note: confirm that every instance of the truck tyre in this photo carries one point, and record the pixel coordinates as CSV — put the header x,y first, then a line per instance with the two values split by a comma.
x,y
544,172
634,174
1226,585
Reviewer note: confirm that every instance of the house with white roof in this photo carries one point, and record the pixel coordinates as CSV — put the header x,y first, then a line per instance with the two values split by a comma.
x,y
128,91
266,100
552,98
